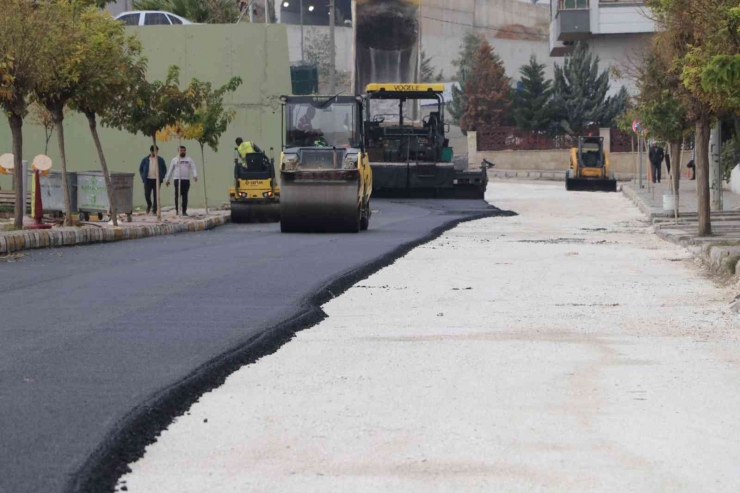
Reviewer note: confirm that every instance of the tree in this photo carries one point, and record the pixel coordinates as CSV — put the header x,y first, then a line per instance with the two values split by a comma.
x,y
106,68
62,55
211,119
149,107
40,116
687,39
22,30
487,91
468,49
580,93
428,73
201,11
533,103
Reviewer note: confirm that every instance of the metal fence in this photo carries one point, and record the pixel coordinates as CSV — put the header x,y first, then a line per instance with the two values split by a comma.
x,y
515,139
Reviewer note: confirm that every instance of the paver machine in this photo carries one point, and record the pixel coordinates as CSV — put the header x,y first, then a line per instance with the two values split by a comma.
x,y
589,169
407,144
255,196
326,181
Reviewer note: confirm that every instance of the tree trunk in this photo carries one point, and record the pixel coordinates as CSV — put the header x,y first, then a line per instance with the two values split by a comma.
x,y
16,128
702,176
205,188
59,122
158,184
675,174
104,166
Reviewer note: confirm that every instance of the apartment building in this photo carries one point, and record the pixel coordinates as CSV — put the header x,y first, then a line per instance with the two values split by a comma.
x,y
615,30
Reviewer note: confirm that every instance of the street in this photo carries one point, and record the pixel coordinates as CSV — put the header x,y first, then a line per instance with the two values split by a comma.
x,y
104,345
566,349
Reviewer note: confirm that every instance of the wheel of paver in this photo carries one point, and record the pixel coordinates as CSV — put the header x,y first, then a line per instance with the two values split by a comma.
x,y
365,221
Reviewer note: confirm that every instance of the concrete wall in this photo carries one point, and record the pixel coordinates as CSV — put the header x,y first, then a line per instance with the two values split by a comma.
x,y
444,25
620,19
735,180
256,53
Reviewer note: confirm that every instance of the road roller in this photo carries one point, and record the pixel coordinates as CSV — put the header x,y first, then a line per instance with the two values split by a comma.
x,y
589,169
255,196
325,177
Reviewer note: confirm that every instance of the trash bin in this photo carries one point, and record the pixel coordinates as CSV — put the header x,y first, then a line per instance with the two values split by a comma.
x,y
304,79
52,197
92,195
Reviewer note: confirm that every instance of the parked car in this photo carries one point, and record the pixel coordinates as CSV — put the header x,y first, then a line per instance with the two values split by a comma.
x,y
150,18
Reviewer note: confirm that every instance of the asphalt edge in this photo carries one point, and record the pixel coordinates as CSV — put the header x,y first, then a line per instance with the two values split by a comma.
x,y
49,238
127,442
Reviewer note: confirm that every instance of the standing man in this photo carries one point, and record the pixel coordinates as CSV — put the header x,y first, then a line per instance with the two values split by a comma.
x,y
148,174
656,160
182,167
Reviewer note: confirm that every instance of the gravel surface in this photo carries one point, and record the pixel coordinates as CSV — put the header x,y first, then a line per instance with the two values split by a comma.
x,y
101,346
566,349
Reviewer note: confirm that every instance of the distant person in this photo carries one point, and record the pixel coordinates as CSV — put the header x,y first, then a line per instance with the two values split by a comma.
x,y
181,167
148,173
656,156
244,148
305,123
692,167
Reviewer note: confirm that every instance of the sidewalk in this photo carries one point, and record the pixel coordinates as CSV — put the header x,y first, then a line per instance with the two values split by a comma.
x,y
141,226
721,251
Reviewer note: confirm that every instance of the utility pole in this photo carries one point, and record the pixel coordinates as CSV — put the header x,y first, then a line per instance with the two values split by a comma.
x,y
303,58
332,49
267,12
639,152
715,168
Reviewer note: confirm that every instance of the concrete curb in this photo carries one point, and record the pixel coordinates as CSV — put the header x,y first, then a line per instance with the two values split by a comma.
x,y
49,238
720,256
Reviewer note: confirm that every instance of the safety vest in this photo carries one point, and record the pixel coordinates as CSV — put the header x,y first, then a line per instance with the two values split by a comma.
x,y
246,148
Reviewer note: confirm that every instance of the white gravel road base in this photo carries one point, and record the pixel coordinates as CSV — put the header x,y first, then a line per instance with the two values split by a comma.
x,y
531,353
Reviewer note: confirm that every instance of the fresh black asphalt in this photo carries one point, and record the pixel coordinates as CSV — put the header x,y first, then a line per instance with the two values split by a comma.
x,y
102,346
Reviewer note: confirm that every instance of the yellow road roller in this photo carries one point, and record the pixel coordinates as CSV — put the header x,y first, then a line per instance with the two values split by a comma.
x,y
255,196
325,177
589,169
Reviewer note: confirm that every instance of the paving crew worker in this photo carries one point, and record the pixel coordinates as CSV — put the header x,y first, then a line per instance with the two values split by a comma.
x,y
181,168
244,148
148,174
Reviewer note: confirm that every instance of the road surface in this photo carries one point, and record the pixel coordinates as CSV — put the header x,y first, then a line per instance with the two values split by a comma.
x,y
103,345
566,349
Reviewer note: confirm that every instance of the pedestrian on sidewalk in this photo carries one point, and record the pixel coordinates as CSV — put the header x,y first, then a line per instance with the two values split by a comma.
x,y
181,168
668,162
148,173
656,156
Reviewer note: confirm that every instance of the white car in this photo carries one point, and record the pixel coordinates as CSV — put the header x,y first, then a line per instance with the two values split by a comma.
x,y
151,18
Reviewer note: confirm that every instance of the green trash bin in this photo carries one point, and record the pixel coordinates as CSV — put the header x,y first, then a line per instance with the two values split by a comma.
x,y
304,79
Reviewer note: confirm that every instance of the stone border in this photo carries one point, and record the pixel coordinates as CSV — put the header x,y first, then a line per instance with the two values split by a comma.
x,y
51,238
720,256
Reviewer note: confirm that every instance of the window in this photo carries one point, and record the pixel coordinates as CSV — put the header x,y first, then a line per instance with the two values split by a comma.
x,y
130,19
572,4
156,19
174,19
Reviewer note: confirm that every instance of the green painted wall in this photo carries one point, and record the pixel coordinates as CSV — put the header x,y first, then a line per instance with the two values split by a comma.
x,y
255,52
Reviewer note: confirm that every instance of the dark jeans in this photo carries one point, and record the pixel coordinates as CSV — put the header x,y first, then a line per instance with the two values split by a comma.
x,y
150,187
182,187
656,171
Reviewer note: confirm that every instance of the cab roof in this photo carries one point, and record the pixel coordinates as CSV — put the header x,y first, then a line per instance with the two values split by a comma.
x,y
394,87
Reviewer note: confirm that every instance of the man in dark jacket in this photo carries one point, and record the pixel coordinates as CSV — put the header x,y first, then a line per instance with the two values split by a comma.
x,y
148,171
656,156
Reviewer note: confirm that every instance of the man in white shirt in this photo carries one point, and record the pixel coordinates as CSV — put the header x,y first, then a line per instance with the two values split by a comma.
x,y
181,167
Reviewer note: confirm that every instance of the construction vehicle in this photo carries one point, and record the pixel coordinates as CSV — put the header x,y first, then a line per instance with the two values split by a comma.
x,y
325,177
405,138
589,169
255,196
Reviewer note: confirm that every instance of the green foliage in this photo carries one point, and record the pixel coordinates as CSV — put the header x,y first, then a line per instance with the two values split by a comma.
x,y
730,157
201,11
533,109
428,73
580,93
211,118
148,107
470,45
318,53
487,90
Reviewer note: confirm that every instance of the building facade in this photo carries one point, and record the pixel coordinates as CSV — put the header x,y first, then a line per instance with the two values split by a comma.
x,y
617,31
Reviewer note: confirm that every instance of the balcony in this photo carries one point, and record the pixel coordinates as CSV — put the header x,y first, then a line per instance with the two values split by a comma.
x,y
572,20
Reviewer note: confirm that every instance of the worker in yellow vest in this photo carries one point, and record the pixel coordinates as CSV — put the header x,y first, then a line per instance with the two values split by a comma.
x,y
244,148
